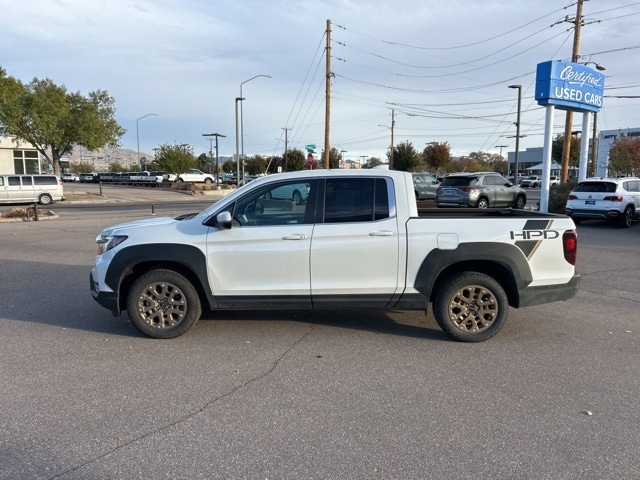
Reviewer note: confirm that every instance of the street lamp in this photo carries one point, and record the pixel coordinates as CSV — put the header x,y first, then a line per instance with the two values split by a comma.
x,y
238,99
242,120
138,135
515,167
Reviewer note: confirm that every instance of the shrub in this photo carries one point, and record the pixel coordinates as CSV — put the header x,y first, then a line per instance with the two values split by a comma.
x,y
558,195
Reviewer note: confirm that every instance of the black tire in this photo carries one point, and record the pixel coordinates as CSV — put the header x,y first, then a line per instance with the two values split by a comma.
x,y
45,199
470,306
296,197
627,217
576,220
163,304
180,180
208,180
267,195
520,202
483,203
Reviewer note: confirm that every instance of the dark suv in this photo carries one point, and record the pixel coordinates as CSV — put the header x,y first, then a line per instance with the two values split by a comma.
x,y
479,189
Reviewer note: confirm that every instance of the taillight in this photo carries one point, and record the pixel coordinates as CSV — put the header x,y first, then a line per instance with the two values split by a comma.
x,y
573,197
613,198
570,246
467,189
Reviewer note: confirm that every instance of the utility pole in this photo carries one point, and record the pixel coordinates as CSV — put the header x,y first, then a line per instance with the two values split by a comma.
x,y
286,147
393,124
211,153
327,112
566,147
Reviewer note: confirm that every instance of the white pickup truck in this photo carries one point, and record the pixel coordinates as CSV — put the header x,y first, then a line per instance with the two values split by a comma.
x,y
356,240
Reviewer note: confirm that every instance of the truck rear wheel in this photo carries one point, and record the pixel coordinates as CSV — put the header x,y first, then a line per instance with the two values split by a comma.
x,y
163,304
471,306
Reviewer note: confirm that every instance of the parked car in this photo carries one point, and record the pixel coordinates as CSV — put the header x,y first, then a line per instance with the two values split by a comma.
x,y
480,189
532,181
554,180
614,199
69,177
195,175
425,185
87,178
296,192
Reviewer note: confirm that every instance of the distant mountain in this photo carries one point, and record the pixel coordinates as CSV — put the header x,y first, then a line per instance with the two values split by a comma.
x,y
102,157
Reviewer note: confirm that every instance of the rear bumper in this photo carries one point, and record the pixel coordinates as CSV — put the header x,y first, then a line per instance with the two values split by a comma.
x,y
530,296
612,214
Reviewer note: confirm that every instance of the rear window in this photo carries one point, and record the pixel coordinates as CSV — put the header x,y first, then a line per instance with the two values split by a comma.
x,y
599,187
458,181
45,180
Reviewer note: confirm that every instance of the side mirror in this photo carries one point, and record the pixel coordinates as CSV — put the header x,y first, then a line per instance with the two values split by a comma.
x,y
223,220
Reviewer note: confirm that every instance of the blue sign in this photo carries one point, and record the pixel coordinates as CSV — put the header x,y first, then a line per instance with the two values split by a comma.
x,y
569,86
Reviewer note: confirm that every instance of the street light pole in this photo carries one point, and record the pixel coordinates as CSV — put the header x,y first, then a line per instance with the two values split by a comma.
x,y
238,99
515,175
138,134
242,120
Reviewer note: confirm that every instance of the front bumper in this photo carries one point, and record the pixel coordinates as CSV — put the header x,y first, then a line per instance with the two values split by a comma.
x,y
108,300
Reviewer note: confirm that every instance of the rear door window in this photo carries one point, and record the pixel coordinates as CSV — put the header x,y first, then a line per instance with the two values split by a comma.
x,y
355,200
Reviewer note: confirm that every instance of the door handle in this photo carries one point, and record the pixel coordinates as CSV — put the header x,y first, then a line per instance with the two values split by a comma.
x,y
295,236
382,233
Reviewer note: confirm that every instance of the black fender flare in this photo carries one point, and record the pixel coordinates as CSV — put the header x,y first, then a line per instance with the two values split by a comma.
x,y
190,258
508,259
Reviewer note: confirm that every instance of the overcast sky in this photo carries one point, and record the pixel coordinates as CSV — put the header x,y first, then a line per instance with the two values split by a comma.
x,y
444,66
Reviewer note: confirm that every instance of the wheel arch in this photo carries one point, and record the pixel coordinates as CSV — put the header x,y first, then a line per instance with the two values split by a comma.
x,y
504,262
132,262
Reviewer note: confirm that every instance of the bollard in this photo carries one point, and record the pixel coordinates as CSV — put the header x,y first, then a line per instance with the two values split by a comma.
x,y
153,210
100,187
35,212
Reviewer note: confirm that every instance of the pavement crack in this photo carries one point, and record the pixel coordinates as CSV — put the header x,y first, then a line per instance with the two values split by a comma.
x,y
197,411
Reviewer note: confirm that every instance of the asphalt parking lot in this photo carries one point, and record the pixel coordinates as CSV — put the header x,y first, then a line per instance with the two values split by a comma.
x,y
303,395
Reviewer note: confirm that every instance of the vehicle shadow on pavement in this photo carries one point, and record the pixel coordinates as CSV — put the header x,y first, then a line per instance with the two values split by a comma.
x,y
392,322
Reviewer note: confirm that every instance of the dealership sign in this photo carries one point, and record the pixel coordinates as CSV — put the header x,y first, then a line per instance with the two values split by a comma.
x,y
569,86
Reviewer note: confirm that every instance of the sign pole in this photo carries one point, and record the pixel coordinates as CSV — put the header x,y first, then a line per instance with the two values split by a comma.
x,y
584,145
546,158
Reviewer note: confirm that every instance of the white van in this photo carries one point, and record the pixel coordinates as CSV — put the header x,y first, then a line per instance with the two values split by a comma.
x,y
44,189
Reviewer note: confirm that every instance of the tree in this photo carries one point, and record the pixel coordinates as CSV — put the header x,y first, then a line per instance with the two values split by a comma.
x,y
230,166
81,167
489,162
624,156
334,158
405,157
116,167
556,150
295,160
437,156
53,120
255,165
374,162
466,164
175,158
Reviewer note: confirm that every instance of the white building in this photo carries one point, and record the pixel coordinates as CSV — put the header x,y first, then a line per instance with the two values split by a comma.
x,y
17,157
605,140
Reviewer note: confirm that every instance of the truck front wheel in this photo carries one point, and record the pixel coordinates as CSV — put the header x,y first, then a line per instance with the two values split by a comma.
x,y
163,304
470,306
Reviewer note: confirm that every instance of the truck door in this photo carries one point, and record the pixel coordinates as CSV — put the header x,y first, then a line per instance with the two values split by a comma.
x,y
263,260
355,247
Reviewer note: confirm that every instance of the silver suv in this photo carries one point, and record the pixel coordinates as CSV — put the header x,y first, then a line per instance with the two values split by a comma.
x,y
480,189
613,199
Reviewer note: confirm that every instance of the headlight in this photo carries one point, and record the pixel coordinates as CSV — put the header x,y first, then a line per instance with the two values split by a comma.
x,y
107,242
